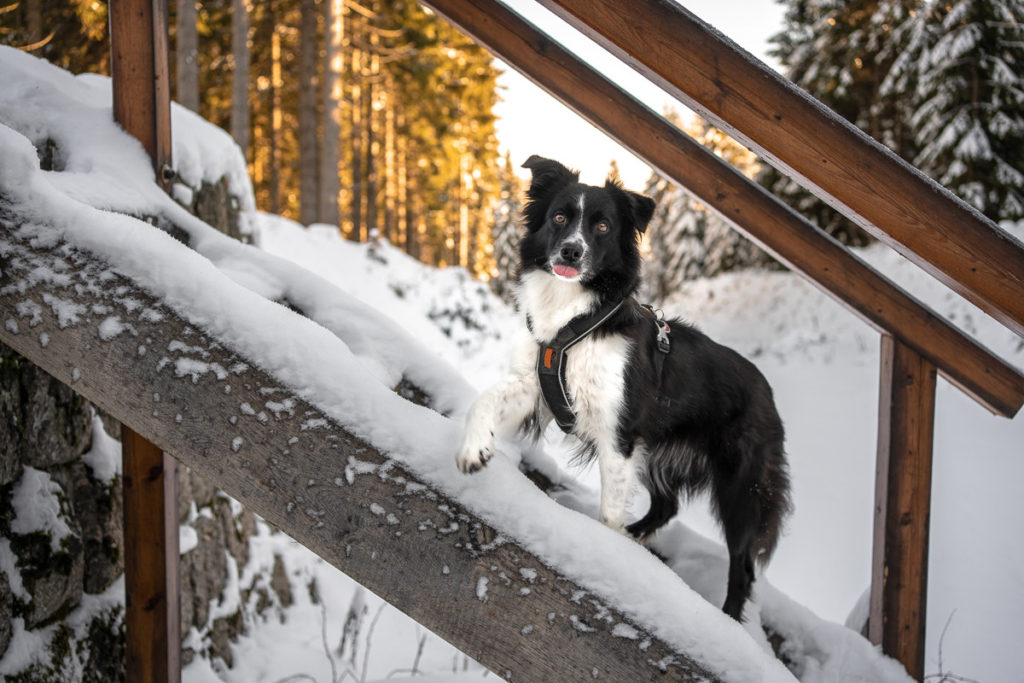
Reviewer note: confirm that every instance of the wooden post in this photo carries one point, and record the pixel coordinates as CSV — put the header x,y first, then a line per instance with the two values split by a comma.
x,y
899,573
152,616
139,71
142,105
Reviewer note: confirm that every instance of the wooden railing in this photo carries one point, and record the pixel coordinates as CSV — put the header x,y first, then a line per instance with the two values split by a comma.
x,y
855,174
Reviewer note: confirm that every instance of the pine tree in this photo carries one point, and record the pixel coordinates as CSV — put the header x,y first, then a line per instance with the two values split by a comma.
x,y
969,103
506,231
840,52
186,53
686,241
674,246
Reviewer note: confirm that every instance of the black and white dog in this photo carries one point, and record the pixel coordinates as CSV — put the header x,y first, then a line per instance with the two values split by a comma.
x,y
654,401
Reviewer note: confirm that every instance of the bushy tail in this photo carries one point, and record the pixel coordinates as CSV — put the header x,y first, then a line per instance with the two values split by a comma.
x,y
775,502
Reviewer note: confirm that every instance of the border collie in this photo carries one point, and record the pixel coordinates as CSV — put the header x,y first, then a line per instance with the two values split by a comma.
x,y
651,400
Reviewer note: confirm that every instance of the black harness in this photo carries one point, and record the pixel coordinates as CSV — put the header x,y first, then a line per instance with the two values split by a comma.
x,y
552,357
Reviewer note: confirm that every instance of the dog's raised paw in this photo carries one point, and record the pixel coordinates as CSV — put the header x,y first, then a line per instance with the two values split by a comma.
x,y
475,453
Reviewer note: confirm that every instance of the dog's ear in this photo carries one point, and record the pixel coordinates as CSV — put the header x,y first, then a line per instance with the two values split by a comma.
x,y
642,208
639,207
549,176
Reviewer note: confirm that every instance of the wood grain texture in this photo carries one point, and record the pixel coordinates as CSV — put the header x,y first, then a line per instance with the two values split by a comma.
x,y
152,616
899,576
142,105
239,428
858,176
139,68
748,207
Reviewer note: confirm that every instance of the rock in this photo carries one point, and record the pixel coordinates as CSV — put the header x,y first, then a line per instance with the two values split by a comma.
x,y
214,205
52,425
203,574
106,648
54,580
11,415
280,583
6,612
99,510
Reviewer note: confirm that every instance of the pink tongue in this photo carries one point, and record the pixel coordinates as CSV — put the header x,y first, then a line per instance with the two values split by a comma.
x,y
565,271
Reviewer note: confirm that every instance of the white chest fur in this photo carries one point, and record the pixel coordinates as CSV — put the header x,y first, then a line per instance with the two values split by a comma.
x,y
595,369
551,302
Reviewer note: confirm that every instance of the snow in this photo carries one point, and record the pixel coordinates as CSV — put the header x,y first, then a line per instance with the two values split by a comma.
x,y
377,317
26,647
37,507
9,566
104,456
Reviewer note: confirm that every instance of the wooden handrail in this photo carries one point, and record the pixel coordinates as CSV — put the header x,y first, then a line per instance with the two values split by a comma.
x,y
332,492
843,166
747,206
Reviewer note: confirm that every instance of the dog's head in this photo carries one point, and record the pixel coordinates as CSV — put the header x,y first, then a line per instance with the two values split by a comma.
x,y
581,232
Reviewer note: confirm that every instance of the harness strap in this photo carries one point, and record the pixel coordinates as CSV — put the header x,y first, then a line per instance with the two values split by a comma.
x,y
551,362
664,346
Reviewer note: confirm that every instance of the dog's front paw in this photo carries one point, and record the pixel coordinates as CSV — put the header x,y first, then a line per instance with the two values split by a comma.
x,y
476,449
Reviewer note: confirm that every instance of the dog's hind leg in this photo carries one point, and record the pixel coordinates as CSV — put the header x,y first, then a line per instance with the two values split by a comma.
x,y
740,526
664,506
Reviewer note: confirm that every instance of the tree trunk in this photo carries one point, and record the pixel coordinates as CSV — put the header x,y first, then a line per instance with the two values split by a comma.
x,y
369,143
187,54
240,77
356,135
274,174
390,189
330,148
402,236
33,21
308,114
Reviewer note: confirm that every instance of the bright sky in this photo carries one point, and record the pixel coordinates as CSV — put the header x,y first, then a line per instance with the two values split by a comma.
x,y
533,122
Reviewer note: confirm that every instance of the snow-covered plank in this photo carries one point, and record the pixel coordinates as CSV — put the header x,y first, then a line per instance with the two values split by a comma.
x,y
992,382
818,148
214,410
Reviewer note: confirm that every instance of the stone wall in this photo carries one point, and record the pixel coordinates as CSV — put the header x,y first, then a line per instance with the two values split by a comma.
x,y
61,526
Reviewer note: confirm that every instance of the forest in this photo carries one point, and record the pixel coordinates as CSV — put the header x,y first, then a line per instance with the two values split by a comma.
x,y
374,116
377,116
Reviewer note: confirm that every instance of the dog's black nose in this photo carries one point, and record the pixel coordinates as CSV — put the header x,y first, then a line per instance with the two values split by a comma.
x,y
572,252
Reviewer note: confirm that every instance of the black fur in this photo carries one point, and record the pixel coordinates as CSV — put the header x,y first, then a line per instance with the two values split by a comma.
x,y
720,430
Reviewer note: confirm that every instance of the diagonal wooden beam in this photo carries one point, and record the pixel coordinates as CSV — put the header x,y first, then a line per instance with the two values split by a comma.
x,y
242,430
748,207
858,176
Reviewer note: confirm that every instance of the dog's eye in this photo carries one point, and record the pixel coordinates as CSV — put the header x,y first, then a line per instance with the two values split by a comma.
x,y
560,218
602,226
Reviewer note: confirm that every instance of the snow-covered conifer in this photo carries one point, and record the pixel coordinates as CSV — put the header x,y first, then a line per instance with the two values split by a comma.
x,y
968,118
506,231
